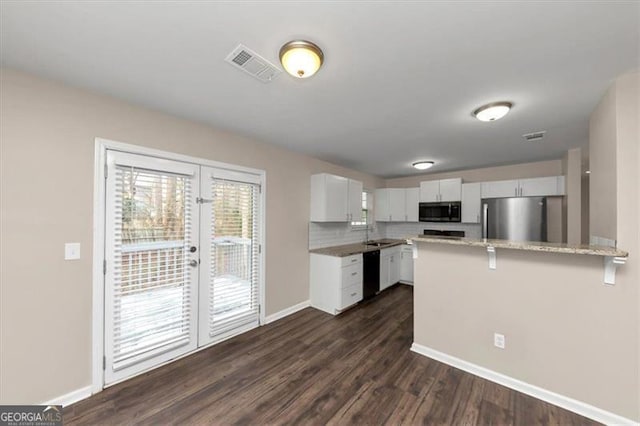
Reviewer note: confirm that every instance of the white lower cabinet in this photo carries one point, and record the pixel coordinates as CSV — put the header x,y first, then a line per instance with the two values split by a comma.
x,y
336,282
389,267
406,264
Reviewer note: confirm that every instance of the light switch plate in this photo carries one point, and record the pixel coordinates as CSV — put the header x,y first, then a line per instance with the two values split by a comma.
x,y
72,251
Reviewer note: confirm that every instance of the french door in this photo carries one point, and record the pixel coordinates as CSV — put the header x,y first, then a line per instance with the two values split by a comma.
x,y
229,271
181,259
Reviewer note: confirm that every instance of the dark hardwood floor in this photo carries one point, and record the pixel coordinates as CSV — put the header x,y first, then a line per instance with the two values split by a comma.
x,y
313,368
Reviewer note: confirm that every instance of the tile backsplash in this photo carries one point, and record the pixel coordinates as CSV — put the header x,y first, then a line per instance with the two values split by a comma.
x,y
327,234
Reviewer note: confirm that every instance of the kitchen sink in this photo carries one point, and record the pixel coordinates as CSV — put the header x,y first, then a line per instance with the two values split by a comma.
x,y
378,243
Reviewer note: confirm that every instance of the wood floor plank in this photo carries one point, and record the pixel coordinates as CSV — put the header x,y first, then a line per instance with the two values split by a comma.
x,y
312,368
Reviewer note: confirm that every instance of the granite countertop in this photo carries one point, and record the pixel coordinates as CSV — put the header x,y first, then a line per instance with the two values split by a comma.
x,y
357,248
526,245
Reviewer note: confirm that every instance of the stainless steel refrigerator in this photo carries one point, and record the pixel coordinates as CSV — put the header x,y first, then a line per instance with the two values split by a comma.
x,y
516,219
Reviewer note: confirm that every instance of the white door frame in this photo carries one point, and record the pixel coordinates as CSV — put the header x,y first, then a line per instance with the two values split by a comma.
x,y
99,196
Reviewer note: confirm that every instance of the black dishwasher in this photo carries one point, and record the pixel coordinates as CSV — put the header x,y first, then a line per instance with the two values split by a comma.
x,y
371,274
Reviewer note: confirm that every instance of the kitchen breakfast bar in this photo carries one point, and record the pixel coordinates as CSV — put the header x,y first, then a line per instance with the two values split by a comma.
x,y
563,314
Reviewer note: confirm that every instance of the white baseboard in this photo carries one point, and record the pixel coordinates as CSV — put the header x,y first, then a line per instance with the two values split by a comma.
x,y
567,403
286,312
71,397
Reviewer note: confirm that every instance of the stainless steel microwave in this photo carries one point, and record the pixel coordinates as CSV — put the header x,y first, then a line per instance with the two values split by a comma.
x,y
440,212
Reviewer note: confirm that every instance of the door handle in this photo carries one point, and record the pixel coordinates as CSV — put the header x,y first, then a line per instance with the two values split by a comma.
x,y
354,273
193,263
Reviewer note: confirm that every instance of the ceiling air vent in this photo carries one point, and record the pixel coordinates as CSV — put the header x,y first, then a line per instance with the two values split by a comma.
x,y
535,136
248,61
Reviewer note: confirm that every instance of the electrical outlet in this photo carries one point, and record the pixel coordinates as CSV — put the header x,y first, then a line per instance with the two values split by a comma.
x,y
498,340
72,251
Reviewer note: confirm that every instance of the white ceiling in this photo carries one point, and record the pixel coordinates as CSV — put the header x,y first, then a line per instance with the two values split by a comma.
x,y
399,82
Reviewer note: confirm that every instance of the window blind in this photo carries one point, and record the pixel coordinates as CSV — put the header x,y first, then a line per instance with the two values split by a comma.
x,y
234,250
151,292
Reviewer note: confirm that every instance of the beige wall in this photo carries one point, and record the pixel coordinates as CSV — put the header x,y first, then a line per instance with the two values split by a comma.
x,y
514,171
47,154
572,170
565,331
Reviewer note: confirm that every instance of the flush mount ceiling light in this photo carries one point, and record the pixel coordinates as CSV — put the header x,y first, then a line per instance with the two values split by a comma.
x,y
493,111
422,165
301,58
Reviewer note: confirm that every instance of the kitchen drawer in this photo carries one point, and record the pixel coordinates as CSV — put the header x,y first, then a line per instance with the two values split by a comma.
x,y
350,295
351,260
390,251
352,275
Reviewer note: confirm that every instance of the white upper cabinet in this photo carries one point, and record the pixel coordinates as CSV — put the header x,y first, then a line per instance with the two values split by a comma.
x,y
430,191
396,205
441,190
412,199
451,189
539,187
381,205
354,200
471,203
334,198
500,189
535,187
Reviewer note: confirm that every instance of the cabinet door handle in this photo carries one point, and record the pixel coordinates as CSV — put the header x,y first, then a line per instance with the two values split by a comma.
x,y
353,294
389,218
354,273
354,260
516,194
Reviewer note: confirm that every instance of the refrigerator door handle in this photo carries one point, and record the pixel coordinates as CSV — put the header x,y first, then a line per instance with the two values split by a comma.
x,y
485,220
